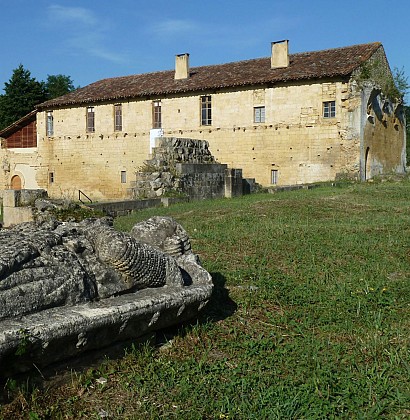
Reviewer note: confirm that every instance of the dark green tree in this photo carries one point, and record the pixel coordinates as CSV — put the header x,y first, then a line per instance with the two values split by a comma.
x,y
58,85
22,94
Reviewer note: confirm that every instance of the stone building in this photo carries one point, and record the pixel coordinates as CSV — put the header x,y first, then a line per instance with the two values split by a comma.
x,y
285,119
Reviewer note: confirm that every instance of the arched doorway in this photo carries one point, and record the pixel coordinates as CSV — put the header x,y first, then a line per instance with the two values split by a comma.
x,y
15,183
367,174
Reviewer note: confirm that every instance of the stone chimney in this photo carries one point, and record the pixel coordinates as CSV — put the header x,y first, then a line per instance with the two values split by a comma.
x,y
280,54
181,66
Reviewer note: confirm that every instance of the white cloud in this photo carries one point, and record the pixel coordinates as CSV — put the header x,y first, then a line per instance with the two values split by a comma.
x,y
83,32
72,14
172,27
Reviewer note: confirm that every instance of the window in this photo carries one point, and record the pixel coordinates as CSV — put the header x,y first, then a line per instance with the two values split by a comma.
x,y
206,114
50,123
156,115
90,119
51,177
123,177
329,109
259,114
274,176
117,117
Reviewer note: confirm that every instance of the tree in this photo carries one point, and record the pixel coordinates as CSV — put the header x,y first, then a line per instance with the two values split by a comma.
x,y
58,85
401,82
22,94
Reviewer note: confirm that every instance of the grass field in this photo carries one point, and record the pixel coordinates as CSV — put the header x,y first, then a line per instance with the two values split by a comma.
x,y
310,318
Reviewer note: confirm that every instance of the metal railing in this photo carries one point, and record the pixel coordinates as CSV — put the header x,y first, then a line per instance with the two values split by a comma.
x,y
81,194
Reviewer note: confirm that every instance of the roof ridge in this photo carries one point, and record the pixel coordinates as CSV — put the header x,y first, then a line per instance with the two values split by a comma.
x,y
368,44
331,62
236,61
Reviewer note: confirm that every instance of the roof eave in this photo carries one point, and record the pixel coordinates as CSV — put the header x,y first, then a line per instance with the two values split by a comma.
x,y
148,94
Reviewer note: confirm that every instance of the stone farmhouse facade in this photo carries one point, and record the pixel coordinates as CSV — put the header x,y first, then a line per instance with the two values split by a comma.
x,y
285,119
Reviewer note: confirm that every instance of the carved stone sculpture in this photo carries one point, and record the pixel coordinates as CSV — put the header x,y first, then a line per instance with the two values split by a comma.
x,y
69,287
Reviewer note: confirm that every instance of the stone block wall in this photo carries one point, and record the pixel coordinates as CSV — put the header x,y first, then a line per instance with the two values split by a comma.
x,y
17,205
295,144
187,167
201,181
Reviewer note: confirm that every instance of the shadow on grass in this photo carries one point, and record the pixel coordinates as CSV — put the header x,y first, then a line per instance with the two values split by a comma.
x,y
219,307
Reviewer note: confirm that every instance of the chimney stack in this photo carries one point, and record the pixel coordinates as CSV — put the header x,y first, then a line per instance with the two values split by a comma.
x,y
181,66
280,54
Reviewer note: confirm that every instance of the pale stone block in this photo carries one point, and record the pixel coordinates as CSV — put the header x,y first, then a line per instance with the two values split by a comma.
x,y
16,215
11,198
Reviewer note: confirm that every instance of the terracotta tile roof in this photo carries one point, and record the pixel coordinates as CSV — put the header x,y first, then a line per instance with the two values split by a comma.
x,y
338,62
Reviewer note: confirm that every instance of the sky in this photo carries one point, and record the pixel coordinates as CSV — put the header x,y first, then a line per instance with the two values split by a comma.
x,y
96,39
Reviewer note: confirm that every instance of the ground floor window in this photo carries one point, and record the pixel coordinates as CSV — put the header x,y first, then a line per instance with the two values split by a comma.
x,y
51,177
123,177
274,176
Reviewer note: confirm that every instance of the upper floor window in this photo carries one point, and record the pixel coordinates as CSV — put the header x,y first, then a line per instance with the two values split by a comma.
x,y
206,110
117,117
156,115
329,109
50,123
259,114
90,119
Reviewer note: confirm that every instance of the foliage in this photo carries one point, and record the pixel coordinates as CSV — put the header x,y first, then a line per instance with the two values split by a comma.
x,y
309,319
75,213
58,85
401,81
22,94
393,85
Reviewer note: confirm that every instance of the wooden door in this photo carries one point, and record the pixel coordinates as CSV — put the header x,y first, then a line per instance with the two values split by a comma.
x,y
15,183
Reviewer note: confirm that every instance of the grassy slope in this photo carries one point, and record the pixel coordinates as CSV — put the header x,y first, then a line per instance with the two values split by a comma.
x,y
310,319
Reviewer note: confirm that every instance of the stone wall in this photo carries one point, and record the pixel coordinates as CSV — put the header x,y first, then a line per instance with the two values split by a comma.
x,y
181,166
201,181
295,140
18,205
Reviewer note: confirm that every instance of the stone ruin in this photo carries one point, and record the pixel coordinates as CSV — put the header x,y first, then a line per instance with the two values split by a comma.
x,y
67,288
182,166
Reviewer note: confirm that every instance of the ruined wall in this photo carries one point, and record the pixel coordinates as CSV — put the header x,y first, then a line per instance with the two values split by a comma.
x,y
382,121
384,136
184,167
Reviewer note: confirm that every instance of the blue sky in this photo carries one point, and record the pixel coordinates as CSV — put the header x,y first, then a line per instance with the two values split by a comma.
x,y
94,39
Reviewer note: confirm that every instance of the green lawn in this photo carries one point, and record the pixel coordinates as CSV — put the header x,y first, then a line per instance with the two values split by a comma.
x,y
310,317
